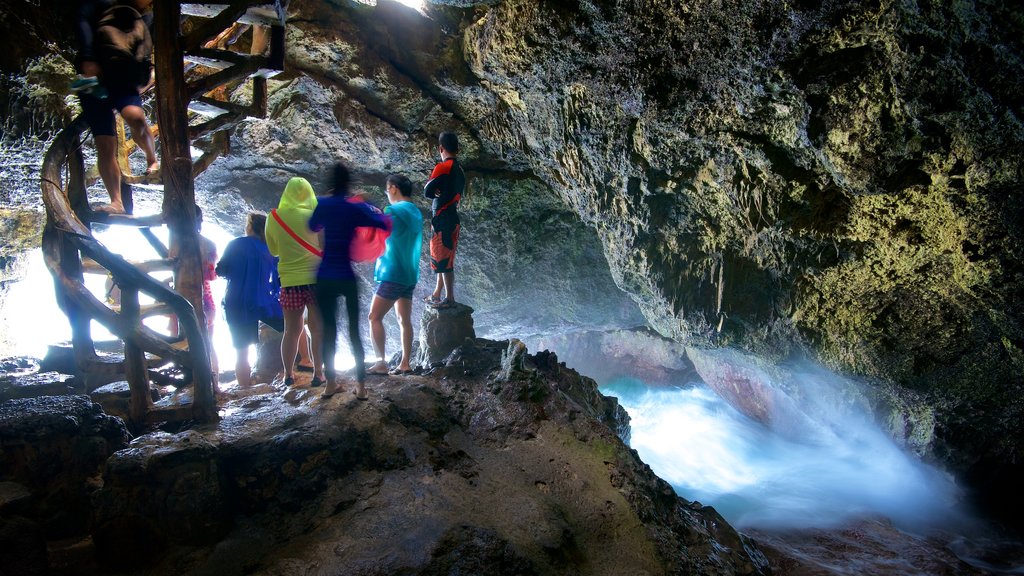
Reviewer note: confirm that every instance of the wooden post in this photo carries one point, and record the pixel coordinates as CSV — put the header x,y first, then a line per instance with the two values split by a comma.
x,y
179,194
135,361
71,260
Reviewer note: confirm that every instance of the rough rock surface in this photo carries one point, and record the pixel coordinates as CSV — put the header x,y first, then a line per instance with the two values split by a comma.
x,y
56,446
638,353
839,177
442,331
483,467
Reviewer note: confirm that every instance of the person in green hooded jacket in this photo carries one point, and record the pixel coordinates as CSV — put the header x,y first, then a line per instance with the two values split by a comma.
x,y
298,251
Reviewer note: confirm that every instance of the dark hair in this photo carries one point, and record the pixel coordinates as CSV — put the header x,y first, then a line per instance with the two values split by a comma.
x,y
257,221
449,141
341,180
199,218
403,184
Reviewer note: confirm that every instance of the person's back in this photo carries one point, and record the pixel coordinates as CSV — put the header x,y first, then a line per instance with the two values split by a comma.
x,y
339,218
123,47
401,260
298,263
252,278
446,185
114,63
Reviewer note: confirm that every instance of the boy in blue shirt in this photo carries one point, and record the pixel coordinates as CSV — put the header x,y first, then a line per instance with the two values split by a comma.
x,y
397,272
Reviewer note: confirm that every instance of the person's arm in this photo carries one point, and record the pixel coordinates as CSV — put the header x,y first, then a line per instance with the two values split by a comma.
x,y
367,216
269,233
434,185
209,258
316,220
86,59
438,186
225,265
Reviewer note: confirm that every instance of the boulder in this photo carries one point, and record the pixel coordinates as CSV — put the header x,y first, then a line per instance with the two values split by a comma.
x,y
497,462
37,384
116,398
441,331
57,446
162,489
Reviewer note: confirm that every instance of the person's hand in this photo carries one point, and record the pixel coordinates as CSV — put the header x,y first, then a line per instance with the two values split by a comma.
x,y
90,68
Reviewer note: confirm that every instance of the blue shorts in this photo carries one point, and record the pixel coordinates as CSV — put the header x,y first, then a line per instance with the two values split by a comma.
x,y
394,291
99,113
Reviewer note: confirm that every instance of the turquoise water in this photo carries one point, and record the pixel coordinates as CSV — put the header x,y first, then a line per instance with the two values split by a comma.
x,y
754,477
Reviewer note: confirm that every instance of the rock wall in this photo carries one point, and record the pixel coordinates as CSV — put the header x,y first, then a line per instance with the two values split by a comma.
x,y
840,178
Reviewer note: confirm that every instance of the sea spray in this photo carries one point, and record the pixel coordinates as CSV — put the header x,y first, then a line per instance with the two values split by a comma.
x,y
758,478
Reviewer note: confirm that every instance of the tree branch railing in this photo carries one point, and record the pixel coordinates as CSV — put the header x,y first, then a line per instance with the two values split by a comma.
x,y
65,238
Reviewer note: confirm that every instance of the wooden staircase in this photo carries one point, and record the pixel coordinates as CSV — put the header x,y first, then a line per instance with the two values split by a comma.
x,y
71,251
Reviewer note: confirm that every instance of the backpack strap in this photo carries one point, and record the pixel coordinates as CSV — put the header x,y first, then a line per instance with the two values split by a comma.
x,y
297,238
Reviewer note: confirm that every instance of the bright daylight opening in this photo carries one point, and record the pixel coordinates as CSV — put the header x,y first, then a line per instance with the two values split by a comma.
x,y
31,302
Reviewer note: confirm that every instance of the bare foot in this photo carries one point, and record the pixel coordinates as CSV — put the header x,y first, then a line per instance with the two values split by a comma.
x,y
379,369
112,208
153,168
332,388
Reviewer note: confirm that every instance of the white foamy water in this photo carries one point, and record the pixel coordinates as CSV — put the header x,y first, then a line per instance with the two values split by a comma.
x,y
755,478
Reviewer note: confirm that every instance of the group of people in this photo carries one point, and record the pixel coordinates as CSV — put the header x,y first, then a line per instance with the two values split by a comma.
x,y
293,266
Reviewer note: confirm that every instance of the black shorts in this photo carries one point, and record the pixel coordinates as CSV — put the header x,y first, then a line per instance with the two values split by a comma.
x,y
247,332
99,113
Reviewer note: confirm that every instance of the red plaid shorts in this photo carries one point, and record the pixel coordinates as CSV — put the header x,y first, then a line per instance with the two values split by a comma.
x,y
297,297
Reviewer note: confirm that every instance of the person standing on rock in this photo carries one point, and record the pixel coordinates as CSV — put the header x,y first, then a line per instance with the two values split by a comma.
x,y
114,51
298,251
446,185
397,273
338,219
252,293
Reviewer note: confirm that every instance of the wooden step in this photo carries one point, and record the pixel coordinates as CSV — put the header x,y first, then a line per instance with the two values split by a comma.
x,y
90,266
212,107
146,221
259,13
217,59
171,409
147,310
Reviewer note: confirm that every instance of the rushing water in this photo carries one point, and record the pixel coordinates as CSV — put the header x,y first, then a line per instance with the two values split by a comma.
x,y
842,502
710,452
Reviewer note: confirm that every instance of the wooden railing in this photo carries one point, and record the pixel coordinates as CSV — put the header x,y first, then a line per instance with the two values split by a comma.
x,y
67,236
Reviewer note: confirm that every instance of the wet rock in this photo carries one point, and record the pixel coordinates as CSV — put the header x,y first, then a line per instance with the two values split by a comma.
x,y
13,497
442,330
164,488
115,398
479,467
22,547
18,366
38,384
638,353
57,446
863,547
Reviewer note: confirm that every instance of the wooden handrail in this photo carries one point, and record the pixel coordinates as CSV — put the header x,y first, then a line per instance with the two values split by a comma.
x,y
67,236
66,228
